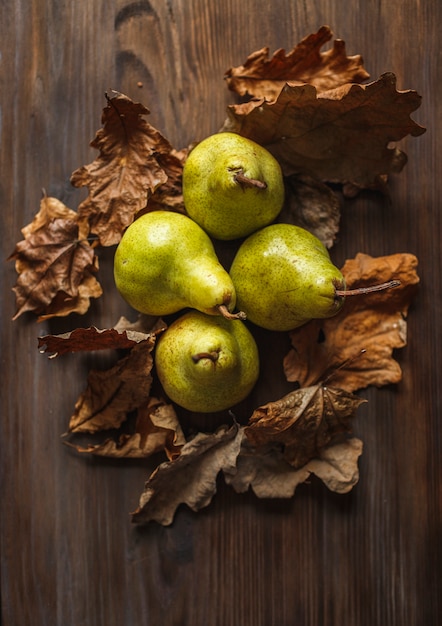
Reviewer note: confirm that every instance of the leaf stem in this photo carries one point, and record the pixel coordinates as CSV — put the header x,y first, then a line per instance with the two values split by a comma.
x,y
343,365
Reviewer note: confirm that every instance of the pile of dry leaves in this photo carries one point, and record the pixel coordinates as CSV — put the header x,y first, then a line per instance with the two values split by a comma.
x,y
325,125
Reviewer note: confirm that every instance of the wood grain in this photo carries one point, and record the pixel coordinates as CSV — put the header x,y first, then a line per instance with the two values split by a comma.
x,y
69,555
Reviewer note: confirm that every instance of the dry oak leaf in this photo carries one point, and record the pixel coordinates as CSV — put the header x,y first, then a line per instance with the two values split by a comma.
x,y
269,475
191,478
56,267
339,136
50,209
304,421
127,171
62,305
113,393
262,77
354,349
87,339
169,196
156,429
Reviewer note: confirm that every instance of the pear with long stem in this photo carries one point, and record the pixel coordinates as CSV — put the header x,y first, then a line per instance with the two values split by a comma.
x,y
284,277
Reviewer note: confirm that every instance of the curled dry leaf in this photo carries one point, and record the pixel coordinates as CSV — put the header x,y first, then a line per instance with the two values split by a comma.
x,y
63,305
262,77
169,196
312,205
354,349
56,264
51,209
341,135
134,160
156,429
112,394
85,339
88,339
304,421
191,478
144,324
270,475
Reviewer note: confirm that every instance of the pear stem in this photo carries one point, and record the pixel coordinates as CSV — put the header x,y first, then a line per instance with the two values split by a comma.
x,y
363,290
212,356
224,311
245,181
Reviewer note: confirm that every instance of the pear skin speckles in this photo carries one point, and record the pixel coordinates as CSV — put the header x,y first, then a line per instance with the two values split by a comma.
x,y
165,262
206,363
232,186
284,277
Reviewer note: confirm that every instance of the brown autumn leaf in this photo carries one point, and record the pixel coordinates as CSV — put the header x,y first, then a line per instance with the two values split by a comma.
x,y
269,474
87,339
169,196
84,339
262,77
354,349
133,162
190,478
143,324
63,305
56,264
50,209
113,393
312,205
304,421
338,136
156,429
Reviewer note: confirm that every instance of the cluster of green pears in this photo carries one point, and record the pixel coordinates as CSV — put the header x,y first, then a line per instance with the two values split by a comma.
x,y
281,277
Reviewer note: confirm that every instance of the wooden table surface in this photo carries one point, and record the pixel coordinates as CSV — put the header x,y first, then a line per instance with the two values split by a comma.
x,y
69,554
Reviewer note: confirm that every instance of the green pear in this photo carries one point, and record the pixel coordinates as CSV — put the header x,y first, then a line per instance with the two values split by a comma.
x,y
206,363
284,277
232,186
165,262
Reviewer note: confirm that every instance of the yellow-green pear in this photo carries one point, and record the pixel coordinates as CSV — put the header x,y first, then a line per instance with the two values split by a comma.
x,y
205,363
284,277
165,262
232,186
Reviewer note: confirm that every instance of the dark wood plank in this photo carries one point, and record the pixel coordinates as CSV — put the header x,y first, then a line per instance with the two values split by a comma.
x,y
69,553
